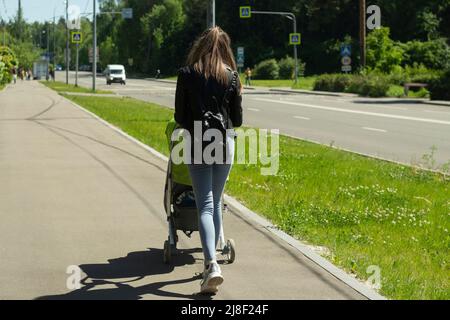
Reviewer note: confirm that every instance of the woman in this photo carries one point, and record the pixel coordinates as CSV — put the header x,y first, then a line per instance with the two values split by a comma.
x,y
209,82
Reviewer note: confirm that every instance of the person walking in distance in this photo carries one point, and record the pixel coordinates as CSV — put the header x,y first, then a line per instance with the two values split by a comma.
x,y
208,96
248,77
14,74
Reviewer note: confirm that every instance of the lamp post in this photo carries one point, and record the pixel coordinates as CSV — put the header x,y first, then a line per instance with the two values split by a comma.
x,y
211,14
362,31
94,45
67,41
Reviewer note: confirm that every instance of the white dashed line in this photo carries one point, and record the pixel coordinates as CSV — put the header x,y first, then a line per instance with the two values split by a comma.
x,y
374,114
253,109
374,129
302,118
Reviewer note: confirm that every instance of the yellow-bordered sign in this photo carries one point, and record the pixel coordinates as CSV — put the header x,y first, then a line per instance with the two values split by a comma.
x,y
76,36
295,38
245,12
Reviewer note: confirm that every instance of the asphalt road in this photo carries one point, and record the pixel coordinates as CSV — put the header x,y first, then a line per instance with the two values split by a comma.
x,y
76,195
394,129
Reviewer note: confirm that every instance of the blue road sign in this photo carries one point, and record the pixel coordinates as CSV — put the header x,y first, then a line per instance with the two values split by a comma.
x,y
346,50
245,12
240,57
127,13
295,38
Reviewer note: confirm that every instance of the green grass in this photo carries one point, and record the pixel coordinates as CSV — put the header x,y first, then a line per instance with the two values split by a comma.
x,y
365,211
398,92
63,87
145,121
304,83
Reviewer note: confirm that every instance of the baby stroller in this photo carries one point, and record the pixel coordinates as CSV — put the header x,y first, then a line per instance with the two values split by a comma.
x,y
181,210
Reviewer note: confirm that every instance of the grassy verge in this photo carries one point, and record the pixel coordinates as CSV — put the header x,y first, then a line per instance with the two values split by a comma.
x,y
398,92
364,211
63,87
304,83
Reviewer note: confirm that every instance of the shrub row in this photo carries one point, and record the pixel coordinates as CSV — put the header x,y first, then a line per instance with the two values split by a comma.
x,y
365,85
7,62
440,87
272,69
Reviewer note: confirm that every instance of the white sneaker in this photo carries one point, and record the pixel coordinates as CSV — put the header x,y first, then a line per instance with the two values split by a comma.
x,y
212,278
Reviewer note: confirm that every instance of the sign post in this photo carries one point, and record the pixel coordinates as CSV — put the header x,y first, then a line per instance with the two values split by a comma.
x,y
127,13
240,58
76,37
246,12
346,60
76,65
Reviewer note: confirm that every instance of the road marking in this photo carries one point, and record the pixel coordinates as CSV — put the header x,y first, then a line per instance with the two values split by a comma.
x,y
383,115
253,109
148,89
302,118
434,111
374,129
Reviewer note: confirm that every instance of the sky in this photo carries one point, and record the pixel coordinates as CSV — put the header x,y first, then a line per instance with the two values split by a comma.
x,y
40,10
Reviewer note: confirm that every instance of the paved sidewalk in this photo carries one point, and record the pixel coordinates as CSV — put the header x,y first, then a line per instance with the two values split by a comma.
x,y
74,192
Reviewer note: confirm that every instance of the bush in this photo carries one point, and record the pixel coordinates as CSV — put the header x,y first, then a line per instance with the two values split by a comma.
x,y
374,86
324,83
332,82
267,70
433,54
440,87
365,85
383,54
287,68
8,60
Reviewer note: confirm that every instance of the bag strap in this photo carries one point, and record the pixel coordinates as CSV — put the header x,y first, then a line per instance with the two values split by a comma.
x,y
225,100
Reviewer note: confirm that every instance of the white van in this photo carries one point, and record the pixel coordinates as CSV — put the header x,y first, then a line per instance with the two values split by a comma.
x,y
115,73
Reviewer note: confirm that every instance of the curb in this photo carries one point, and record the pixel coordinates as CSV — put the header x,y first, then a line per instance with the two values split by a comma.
x,y
437,103
81,94
237,207
161,80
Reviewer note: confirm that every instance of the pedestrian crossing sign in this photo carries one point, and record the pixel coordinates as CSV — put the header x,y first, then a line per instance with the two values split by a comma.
x,y
245,12
76,37
295,38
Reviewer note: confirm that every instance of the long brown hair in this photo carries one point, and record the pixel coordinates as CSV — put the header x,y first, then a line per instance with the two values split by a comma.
x,y
210,52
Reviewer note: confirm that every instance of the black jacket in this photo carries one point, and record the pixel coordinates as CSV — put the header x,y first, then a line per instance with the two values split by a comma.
x,y
195,93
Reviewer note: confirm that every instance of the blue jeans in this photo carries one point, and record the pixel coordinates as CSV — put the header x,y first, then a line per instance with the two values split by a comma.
x,y
208,182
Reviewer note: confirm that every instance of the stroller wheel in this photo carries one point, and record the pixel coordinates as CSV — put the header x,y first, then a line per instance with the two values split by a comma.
x,y
230,251
167,252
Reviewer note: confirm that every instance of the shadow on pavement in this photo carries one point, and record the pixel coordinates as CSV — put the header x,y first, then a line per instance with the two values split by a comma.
x,y
121,272
390,101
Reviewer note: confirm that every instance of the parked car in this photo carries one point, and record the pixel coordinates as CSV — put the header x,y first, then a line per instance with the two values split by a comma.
x,y
84,67
115,73
58,67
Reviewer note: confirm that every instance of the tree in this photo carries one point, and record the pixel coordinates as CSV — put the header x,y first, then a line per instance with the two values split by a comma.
x,y
26,53
108,52
8,61
159,26
382,52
